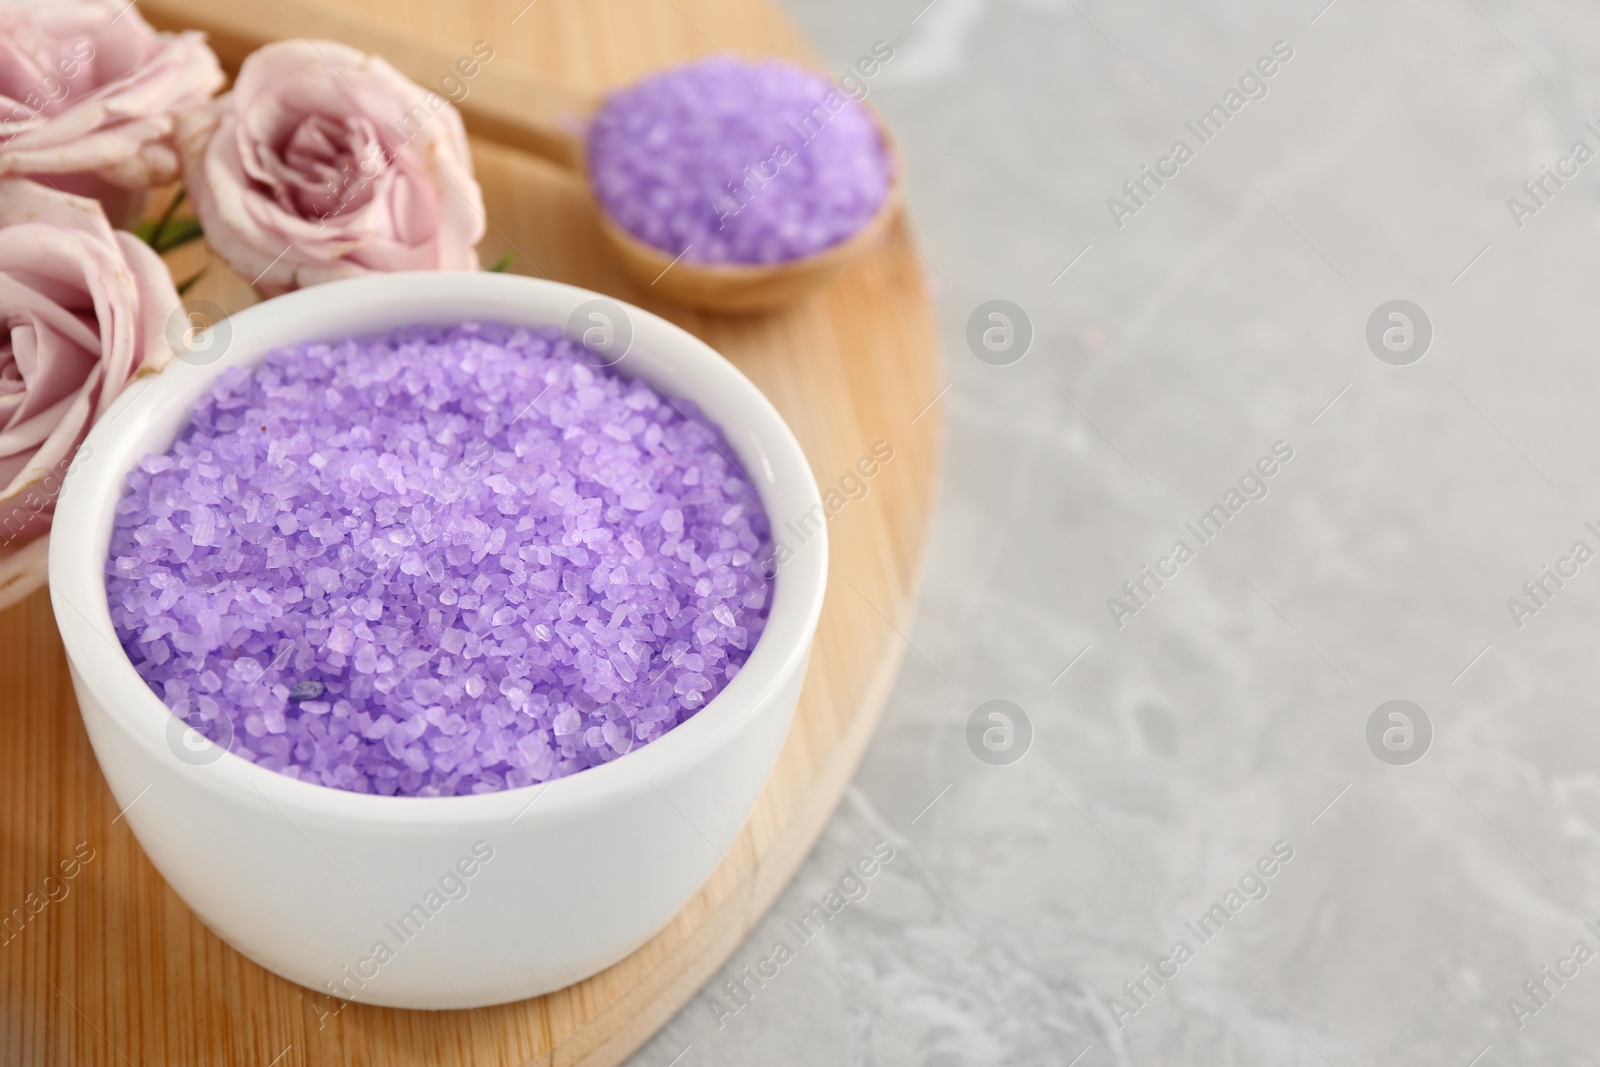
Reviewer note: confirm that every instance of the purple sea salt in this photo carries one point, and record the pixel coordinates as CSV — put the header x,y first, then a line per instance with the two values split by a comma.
x,y
443,560
725,161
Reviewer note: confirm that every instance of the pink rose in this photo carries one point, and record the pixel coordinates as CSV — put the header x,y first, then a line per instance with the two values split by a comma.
x,y
85,308
323,163
89,97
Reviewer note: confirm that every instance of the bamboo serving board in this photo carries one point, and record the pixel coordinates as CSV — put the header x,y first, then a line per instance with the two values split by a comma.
x,y
116,970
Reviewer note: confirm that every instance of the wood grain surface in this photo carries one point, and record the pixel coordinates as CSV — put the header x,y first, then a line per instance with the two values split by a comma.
x,y
114,969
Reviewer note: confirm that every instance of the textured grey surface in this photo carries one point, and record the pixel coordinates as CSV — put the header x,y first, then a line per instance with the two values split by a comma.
x,y
1230,712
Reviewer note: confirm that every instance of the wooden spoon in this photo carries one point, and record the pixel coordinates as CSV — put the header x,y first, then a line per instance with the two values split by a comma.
x,y
504,106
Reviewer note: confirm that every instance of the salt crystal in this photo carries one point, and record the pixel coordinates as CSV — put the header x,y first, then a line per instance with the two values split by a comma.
x,y
365,629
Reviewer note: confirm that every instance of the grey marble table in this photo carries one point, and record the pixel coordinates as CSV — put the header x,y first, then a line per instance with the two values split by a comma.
x,y
1221,843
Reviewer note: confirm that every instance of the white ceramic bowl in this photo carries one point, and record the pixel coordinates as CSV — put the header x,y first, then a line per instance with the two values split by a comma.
x,y
310,881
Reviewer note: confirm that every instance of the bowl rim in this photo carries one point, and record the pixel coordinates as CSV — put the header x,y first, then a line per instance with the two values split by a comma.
x,y
761,439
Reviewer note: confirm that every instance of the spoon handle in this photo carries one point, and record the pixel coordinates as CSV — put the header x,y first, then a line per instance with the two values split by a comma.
x,y
497,103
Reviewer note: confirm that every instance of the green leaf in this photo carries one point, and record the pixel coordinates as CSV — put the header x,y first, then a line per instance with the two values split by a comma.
x,y
153,238
168,232
184,287
177,233
503,264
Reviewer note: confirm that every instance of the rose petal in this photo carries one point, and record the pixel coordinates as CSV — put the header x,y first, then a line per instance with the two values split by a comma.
x,y
324,163
84,309
89,90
